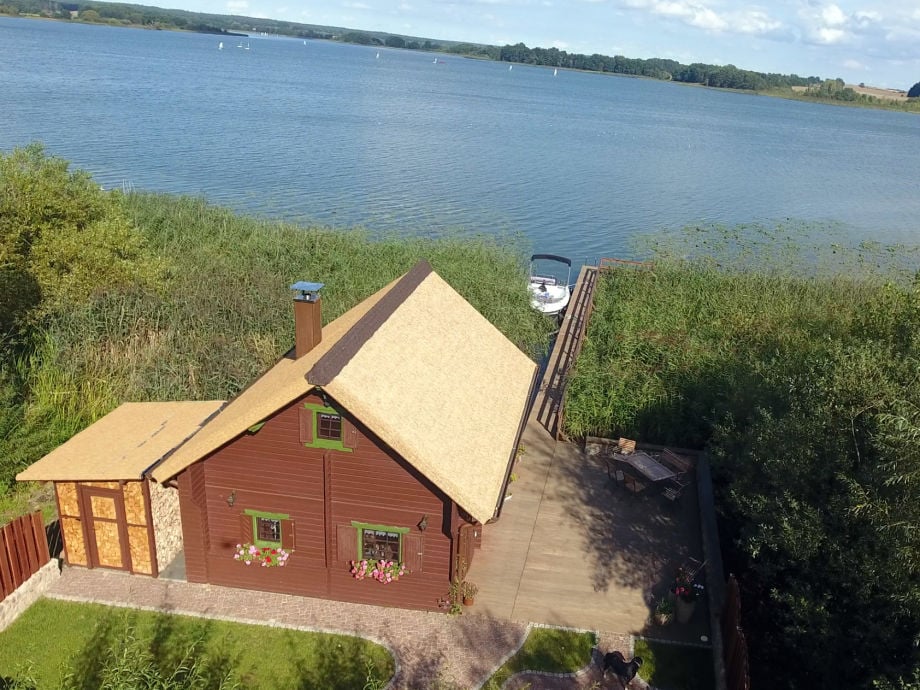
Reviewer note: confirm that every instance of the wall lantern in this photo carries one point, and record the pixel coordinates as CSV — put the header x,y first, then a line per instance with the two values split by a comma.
x,y
231,499
423,523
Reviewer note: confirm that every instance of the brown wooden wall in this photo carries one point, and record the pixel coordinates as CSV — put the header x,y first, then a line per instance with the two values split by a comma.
x,y
322,491
128,541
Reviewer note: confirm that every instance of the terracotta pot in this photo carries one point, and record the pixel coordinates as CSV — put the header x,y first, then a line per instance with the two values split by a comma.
x,y
468,601
684,609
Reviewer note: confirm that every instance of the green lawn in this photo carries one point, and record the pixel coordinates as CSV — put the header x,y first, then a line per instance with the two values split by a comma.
x,y
548,649
90,643
675,667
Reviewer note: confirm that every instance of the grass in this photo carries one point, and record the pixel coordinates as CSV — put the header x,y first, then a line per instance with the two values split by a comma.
x,y
54,638
674,667
547,649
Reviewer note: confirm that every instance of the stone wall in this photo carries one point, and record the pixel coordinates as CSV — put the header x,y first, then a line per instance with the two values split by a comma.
x,y
167,523
28,592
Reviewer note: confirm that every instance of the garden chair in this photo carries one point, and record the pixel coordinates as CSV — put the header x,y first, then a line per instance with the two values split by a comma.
x,y
678,464
626,446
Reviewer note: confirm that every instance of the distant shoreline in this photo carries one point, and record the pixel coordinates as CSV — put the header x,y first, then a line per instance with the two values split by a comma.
x,y
881,99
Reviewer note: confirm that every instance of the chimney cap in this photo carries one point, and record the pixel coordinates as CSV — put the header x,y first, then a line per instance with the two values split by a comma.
x,y
307,292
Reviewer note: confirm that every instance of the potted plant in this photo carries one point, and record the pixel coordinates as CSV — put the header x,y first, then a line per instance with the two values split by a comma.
x,y
468,591
685,592
664,611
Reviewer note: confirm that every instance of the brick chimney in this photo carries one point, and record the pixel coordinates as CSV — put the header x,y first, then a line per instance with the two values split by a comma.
x,y
308,313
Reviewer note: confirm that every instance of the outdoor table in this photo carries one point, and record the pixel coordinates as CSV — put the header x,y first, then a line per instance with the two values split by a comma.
x,y
647,466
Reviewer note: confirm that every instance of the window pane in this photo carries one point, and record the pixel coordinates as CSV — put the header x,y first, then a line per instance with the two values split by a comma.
x,y
330,427
380,544
268,529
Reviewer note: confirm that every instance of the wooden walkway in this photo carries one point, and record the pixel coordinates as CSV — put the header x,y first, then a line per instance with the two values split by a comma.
x,y
548,405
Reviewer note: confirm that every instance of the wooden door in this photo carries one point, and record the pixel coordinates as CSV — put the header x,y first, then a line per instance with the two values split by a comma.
x,y
105,528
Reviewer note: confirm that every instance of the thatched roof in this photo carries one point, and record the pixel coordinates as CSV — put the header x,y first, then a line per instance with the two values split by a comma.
x,y
422,369
124,443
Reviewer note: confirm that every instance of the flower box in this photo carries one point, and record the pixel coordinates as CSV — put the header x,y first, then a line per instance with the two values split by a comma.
x,y
265,556
382,570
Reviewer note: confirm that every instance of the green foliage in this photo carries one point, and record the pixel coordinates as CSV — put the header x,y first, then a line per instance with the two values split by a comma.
x,y
62,240
553,650
95,646
801,381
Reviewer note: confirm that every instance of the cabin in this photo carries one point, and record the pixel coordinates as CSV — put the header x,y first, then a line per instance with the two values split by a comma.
x,y
387,436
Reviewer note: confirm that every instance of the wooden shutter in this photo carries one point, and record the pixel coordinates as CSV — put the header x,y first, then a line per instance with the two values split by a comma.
x,y
412,552
306,424
287,534
349,434
245,528
346,538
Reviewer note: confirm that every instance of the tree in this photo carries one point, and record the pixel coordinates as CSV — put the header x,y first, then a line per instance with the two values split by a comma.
x,y
62,240
914,91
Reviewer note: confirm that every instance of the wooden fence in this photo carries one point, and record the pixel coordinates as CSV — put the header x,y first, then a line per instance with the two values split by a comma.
x,y
23,550
737,673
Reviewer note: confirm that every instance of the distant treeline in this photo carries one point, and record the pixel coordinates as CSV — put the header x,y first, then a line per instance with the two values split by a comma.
x,y
728,76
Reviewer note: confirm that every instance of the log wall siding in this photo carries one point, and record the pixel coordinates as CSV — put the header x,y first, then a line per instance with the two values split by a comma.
x,y
320,489
194,522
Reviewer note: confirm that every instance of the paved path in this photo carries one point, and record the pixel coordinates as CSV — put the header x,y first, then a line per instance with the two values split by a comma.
x,y
458,651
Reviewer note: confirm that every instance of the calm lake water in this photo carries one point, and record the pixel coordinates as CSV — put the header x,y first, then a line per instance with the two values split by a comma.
x,y
343,135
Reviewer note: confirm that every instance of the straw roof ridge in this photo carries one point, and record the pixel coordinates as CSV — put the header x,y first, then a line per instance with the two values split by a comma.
x,y
330,364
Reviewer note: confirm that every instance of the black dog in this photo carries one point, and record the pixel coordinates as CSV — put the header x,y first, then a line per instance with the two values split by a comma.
x,y
624,670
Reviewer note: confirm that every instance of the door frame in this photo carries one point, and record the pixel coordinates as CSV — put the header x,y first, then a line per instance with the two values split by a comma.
x,y
89,532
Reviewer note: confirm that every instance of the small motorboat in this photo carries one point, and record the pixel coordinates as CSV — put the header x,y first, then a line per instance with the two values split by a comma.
x,y
548,293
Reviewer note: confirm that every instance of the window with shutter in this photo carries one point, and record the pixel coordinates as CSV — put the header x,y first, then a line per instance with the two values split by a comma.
x,y
266,529
377,542
322,426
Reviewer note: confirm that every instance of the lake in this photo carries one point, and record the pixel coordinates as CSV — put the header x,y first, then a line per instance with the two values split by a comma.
x,y
392,140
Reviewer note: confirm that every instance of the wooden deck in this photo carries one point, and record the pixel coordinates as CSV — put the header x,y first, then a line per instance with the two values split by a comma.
x,y
570,548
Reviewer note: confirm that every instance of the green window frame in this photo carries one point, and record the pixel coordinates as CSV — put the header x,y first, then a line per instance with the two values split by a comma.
x,y
317,442
258,515
362,526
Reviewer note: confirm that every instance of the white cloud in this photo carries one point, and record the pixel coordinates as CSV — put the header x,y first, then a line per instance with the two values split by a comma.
x,y
560,45
752,20
237,6
854,64
356,5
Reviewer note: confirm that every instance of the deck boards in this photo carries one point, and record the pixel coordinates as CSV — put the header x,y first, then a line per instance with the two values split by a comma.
x,y
572,549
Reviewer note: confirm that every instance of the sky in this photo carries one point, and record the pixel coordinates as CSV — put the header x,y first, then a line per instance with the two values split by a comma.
x,y
872,41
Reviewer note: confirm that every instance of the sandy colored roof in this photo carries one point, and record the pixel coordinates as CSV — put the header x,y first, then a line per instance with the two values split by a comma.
x,y
445,389
420,367
124,443
279,386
